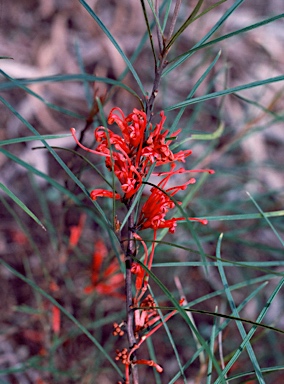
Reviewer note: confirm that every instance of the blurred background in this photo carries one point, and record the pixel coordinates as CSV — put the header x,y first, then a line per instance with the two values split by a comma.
x,y
58,37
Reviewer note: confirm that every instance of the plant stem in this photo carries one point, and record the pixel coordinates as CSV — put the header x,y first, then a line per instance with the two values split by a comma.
x,y
174,20
158,75
130,253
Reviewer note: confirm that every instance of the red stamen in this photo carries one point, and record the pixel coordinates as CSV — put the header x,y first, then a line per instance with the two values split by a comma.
x,y
104,193
73,132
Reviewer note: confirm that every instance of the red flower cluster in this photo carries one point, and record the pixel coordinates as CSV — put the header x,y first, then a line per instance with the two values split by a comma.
x,y
160,202
130,155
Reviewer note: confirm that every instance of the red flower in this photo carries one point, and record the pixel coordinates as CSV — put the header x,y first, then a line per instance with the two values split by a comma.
x,y
160,202
56,319
104,193
132,127
157,146
108,281
76,231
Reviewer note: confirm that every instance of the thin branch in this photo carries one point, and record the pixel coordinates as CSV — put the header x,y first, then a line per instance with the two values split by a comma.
x,y
174,19
155,89
159,33
149,31
130,324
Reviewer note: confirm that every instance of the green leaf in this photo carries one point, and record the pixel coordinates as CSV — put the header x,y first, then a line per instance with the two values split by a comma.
x,y
188,21
62,78
21,205
228,91
149,30
57,158
266,219
263,370
207,36
47,103
35,171
229,35
84,330
32,138
209,136
183,314
253,329
192,92
235,312
115,44
245,216
193,17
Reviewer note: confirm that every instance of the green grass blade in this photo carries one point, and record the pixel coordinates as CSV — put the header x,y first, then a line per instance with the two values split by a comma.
x,y
35,171
229,35
247,216
183,314
194,89
84,330
169,337
236,314
212,344
254,328
266,219
115,44
263,370
207,36
224,324
65,78
183,27
57,158
37,96
21,205
88,92
228,91
32,138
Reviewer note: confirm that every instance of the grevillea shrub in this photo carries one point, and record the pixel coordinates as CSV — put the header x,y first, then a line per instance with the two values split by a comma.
x,y
139,150
133,254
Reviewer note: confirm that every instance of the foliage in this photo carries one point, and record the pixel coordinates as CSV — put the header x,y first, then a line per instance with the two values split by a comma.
x,y
173,261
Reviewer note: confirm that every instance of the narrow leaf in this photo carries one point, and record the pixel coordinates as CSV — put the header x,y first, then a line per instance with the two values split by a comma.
x,y
188,21
21,205
209,136
228,91
114,42
229,35
32,138
235,312
208,35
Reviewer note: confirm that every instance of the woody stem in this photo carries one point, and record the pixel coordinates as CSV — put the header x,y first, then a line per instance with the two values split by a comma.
x,y
158,75
130,253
